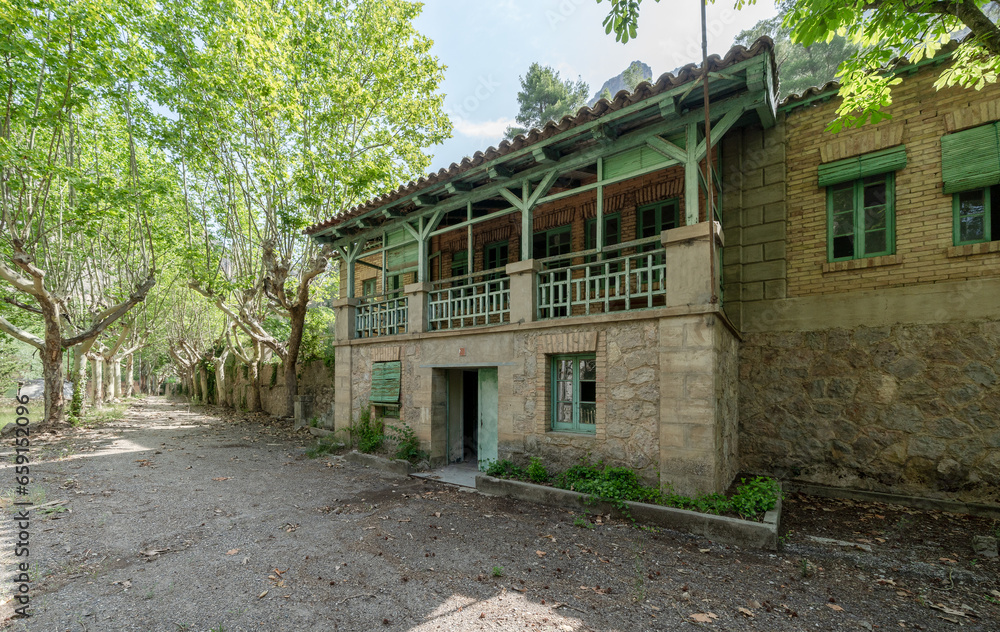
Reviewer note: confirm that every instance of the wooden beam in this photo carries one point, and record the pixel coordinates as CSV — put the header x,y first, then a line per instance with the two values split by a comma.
x,y
425,201
514,200
545,155
391,213
667,148
500,172
605,134
719,130
691,189
457,187
670,108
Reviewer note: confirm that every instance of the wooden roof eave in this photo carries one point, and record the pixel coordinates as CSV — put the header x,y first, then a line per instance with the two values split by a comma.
x,y
758,94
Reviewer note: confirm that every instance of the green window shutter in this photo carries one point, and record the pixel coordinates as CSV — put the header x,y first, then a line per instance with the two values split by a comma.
x,y
970,159
892,159
385,383
404,256
632,160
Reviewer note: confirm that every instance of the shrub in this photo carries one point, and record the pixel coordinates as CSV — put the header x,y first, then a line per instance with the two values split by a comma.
x,y
536,471
368,433
407,443
505,468
755,497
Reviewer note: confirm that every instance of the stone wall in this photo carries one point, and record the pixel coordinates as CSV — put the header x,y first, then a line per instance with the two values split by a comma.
x,y
315,380
905,408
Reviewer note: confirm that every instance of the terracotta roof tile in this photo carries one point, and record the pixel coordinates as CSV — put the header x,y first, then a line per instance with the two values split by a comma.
x,y
583,116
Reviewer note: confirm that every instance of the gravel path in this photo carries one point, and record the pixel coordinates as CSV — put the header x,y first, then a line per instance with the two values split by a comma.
x,y
191,519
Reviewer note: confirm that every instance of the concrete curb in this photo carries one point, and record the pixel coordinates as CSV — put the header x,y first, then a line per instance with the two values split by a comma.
x,y
763,535
393,466
917,502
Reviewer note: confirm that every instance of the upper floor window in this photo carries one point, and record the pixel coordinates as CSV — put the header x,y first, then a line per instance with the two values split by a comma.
x,y
552,243
970,169
497,255
860,215
653,219
977,216
860,204
368,287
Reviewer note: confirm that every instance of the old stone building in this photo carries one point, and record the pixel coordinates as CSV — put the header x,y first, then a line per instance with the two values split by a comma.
x,y
565,294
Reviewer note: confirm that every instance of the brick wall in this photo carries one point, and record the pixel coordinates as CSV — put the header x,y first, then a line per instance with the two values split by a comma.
x,y
924,253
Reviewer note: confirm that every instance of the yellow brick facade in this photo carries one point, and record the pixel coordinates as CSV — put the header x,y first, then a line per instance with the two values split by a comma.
x,y
924,250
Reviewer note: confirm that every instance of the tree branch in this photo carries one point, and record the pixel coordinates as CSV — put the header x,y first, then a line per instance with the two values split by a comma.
x,y
20,334
110,315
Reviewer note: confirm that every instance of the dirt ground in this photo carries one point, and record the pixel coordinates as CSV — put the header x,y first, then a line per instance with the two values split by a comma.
x,y
178,518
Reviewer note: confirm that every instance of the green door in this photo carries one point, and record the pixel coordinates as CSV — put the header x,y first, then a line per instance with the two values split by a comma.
x,y
488,411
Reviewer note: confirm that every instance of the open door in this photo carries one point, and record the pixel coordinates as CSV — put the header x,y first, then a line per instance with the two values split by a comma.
x,y
489,410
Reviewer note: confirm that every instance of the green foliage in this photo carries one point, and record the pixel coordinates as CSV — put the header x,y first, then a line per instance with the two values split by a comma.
x,y
536,471
323,446
755,497
583,523
317,337
368,432
880,34
799,67
633,76
274,374
407,443
497,571
618,485
544,97
505,468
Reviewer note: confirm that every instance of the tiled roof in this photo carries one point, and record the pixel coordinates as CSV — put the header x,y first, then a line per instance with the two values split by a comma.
x,y
584,115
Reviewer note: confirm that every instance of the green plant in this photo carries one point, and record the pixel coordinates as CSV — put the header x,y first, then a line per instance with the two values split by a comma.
x,y
755,497
407,443
505,468
367,433
582,523
536,471
498,571
274,375
806,568
322,447
314,422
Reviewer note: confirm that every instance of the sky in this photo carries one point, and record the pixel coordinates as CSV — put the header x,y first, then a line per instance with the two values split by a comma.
x,y
488,44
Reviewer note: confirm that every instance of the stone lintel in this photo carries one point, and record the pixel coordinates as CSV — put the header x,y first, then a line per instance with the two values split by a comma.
x,y
413,288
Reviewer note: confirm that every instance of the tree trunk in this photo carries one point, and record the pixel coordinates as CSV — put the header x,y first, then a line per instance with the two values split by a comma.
x,y
203,376
116,377
297,323
51,357
254,404
79,376
129,386
98,379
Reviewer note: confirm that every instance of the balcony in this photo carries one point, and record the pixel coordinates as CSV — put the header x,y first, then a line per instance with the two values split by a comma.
x,y
670,271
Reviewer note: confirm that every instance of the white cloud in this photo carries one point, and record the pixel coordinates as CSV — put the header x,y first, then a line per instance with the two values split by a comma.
x,y
481,129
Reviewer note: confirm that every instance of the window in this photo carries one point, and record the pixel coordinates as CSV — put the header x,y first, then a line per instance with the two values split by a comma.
x,y
387,411
612,234
653,219
977,216
552,243
860,218
368,287
574,393
497,254
460,265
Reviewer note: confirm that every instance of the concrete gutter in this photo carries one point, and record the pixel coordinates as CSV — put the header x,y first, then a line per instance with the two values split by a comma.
x,y
918,502
763,535
393,466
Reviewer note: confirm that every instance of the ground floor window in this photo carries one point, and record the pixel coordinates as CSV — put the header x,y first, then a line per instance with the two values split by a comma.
x,y
387,411
574,393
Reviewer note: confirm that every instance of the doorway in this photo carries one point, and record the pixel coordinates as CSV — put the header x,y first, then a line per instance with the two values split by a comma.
x,y
473,414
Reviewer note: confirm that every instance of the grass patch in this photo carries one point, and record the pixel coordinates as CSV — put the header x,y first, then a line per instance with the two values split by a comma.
x,y
7,418
103,415
619,485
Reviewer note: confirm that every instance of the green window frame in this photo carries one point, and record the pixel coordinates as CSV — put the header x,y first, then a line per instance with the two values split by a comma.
x,y
551,243
976,216
574,393
612,232
497,255
861,220
653,219
368,287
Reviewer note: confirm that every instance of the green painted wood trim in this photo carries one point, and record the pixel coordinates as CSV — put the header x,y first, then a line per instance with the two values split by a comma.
x,y
575,425
886,160
970,159
957,228
385,383
859,220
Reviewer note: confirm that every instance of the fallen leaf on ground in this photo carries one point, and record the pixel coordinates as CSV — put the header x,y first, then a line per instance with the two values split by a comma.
x,y
833,606
232,551
221,478
704,617
746,612
261,595
541,553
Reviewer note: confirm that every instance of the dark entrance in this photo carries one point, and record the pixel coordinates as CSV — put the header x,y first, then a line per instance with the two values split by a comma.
x,y
470,416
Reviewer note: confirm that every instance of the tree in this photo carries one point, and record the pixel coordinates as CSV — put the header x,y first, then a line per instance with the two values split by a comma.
x,y
799,67
633,76
78,186
544,97
288,113
885,32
